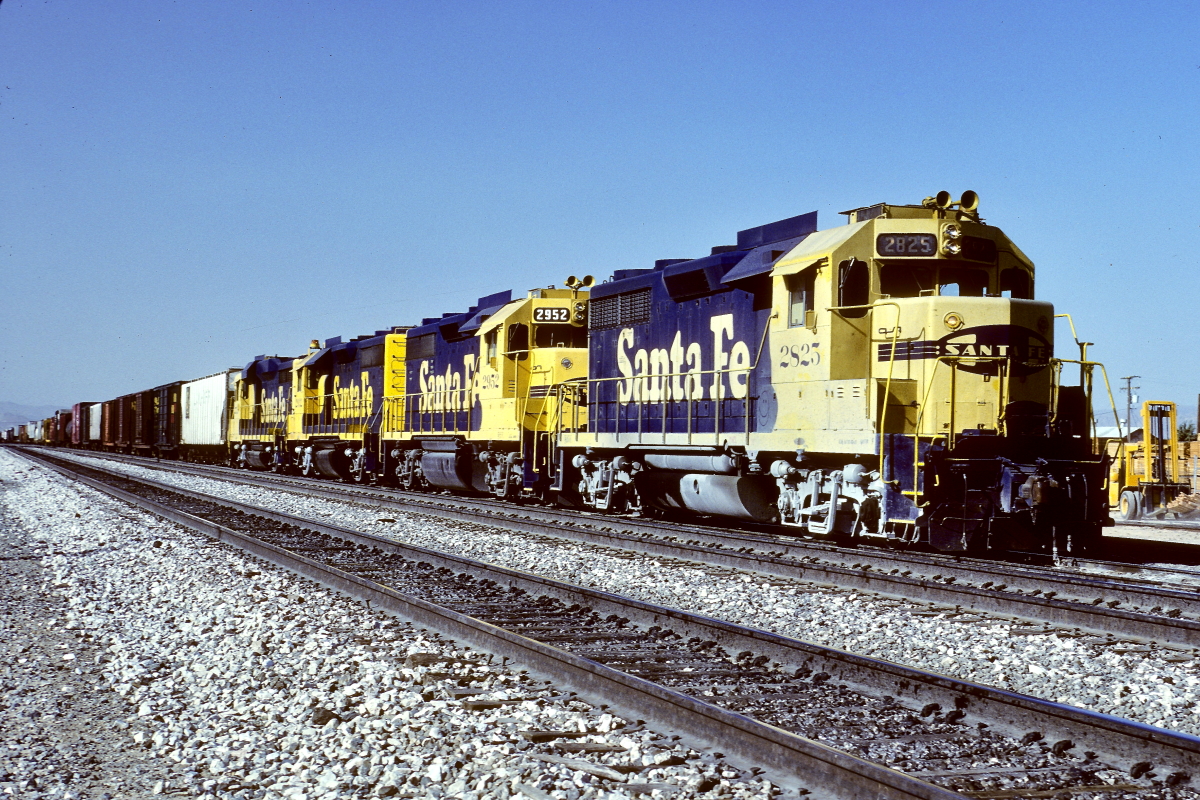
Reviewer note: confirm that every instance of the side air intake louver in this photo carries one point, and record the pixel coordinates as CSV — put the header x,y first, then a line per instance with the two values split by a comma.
x,y
420,347
629,308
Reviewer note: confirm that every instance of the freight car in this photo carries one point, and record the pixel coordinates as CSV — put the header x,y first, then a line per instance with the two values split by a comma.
x,y
60,430
163,435
82,427
204,417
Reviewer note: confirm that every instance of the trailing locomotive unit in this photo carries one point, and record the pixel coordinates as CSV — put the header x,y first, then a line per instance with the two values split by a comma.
x,y
262,402
336,406
893,377
485,392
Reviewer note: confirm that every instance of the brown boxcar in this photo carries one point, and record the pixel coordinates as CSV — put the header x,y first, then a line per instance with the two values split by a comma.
x,y
166,420
125,423
108,424
143,422
63,426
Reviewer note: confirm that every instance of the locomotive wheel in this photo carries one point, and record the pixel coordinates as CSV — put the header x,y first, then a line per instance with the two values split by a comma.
x,y
1131,507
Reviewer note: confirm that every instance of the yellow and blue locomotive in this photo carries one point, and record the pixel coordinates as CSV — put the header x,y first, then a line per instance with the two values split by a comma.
x,y
465,402
485,393
258,418
893,377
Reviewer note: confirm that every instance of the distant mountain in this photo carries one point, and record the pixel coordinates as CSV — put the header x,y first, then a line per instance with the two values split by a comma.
x,y
13,414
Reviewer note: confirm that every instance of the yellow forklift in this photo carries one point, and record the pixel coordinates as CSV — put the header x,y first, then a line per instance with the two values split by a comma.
x,y
1144,476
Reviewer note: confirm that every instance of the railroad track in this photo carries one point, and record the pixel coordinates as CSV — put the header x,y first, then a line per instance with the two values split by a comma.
x,y
1123,607
839,724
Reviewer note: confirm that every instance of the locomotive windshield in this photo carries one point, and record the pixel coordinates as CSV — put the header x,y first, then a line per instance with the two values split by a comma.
x,y
560,336
916,279
959,282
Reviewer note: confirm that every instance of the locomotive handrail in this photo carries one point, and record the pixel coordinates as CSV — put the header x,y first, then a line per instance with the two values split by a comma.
x,y
952,362
887,388
1108,387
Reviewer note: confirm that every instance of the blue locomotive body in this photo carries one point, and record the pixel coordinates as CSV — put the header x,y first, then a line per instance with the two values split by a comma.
x,y
678,350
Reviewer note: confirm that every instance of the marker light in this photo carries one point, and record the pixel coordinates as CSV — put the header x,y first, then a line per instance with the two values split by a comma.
x,y
953,321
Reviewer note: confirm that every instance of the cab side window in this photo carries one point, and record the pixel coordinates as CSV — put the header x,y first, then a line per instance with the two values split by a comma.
x,y
854,287
518,340
801,302
489,344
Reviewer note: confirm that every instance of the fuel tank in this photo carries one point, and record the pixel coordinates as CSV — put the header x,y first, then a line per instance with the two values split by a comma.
x,y
458,471
745,497
257,459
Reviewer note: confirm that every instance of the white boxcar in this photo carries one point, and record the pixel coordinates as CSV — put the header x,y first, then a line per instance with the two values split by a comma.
x,y
95,417
205,418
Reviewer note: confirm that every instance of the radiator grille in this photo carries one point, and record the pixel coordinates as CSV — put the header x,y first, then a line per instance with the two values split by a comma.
x,y
630,308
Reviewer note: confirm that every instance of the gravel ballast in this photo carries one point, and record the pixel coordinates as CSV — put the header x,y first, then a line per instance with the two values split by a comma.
x,y
204,672
1155,686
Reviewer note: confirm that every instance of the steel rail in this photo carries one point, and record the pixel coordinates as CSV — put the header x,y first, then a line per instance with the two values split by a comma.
x,y
962,567
798,761
1119,741
1069,600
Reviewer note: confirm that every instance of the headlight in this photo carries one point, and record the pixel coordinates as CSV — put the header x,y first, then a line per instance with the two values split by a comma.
x,y
951,248
952,232
953,321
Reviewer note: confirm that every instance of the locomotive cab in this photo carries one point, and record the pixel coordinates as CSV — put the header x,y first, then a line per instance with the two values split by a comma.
x,y
937,347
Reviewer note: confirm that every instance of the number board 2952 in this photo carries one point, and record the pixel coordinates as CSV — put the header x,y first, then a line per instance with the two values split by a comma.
x,y
549,314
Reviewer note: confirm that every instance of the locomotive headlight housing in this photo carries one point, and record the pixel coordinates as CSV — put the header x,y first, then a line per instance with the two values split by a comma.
x,y
953,320
952,232
951,248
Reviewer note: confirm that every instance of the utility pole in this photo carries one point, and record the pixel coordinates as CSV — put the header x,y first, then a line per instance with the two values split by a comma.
x,y
1129,389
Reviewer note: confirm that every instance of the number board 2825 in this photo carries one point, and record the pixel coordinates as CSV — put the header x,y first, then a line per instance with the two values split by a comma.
x,y
906,244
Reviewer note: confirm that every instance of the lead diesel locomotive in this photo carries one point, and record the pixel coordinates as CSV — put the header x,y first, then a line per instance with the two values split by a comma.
x,y
892,377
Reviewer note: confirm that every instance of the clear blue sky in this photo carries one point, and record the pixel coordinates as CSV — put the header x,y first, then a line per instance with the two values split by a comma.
x,y
184,185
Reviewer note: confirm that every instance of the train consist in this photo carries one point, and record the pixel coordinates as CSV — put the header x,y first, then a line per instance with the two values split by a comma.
x,y
889,378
